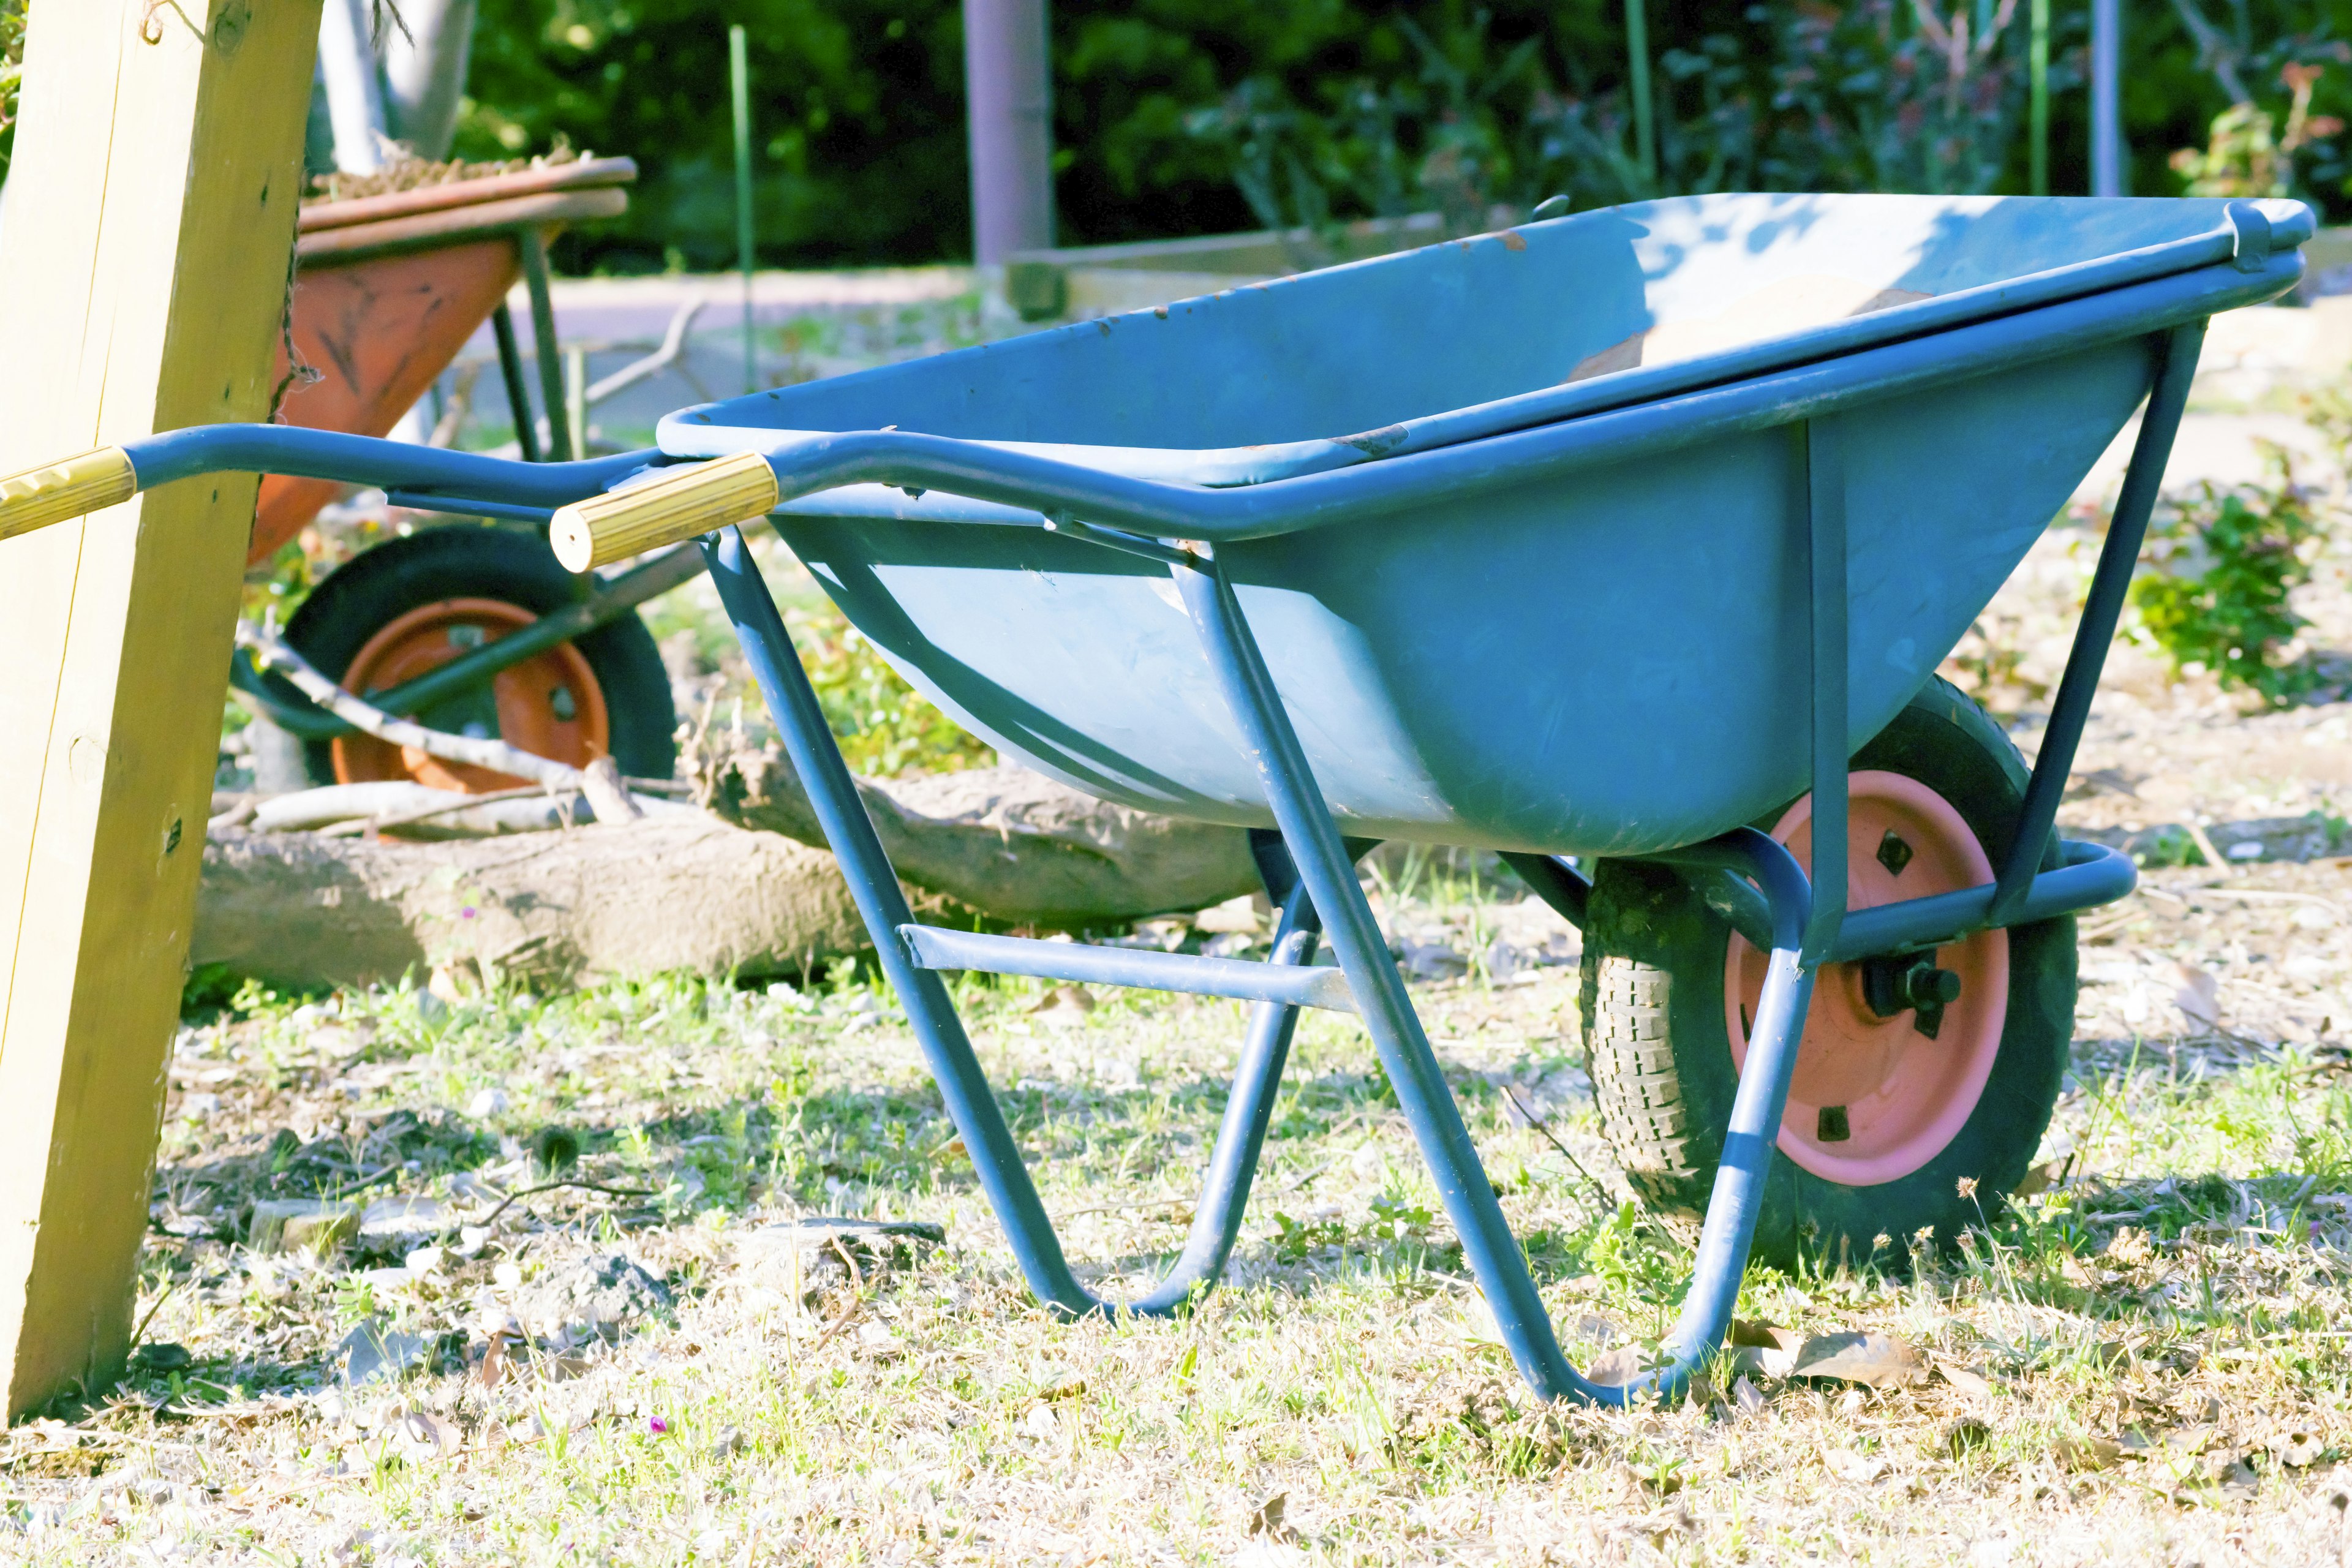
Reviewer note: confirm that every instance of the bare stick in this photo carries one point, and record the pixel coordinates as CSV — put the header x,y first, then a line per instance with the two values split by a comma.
x,y
600,780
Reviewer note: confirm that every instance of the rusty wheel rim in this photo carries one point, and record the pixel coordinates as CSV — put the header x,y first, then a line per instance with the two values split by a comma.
x,y
549,705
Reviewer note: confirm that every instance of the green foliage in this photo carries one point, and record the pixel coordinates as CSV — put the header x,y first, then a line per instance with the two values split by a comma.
x,y
885,726
1895,95
12,72
1176,117
2246,155
857,115
2227,560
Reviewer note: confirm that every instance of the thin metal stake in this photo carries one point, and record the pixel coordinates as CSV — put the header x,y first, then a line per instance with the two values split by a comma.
x,y
2037,70
739,72
1637,62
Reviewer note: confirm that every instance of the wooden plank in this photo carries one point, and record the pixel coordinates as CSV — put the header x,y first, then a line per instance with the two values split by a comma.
x,y
143,277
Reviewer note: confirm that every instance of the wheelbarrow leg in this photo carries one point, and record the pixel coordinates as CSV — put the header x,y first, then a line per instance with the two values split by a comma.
x,y
561,445
947,1050
1494,1254
526,423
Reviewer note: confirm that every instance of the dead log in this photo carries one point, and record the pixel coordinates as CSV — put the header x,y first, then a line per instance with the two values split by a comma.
x,y
672,891
1013,843
746,893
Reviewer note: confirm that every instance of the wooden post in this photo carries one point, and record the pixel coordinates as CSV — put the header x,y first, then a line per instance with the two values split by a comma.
x,y
143,281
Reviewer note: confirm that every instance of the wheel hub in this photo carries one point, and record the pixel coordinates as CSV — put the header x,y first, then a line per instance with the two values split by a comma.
x,y
1896,1049
1910,982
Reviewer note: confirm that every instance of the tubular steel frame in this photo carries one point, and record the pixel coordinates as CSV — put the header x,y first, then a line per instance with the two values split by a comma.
x,y
1307,865
1801,933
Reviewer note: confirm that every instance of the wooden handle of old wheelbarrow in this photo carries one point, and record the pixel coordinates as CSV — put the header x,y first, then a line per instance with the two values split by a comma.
x,y
682,503
39,497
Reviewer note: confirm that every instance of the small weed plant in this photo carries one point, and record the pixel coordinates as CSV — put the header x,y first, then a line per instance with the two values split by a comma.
x,y
2227,562
885,727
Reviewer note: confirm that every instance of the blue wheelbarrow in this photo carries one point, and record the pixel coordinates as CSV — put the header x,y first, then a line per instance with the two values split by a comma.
x,y
1629,541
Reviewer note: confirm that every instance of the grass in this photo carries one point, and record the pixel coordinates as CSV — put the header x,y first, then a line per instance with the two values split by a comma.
x,y
2164,1372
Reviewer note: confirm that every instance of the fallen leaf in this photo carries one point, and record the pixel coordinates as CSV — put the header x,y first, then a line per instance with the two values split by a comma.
x,y
2199,996
1973,1383
1763,1348
1662,1526
493,1370
1266,1519
1875,1361
2087,1453
1764,1336
2190,1441
2296,1450
1859,1468
1615,1367
1064,1005
2037,1179
1748,1397
423,1435
2111,1356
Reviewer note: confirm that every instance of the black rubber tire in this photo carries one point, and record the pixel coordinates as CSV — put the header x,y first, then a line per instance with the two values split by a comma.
x,y
1660,1056
464,560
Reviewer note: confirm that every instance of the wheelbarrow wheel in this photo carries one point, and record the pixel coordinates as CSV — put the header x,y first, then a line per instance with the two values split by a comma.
x,y
400,609
1922,1086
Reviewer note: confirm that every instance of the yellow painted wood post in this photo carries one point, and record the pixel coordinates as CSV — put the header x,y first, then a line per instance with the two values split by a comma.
x,y
142,277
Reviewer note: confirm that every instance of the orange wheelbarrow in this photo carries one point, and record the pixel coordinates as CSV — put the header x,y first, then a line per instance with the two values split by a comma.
x,y
473,630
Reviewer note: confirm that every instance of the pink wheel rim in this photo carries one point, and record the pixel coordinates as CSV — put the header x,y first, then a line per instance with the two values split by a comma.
x,y
1897,1096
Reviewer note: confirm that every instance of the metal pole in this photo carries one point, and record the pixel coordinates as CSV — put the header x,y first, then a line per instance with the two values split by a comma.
x,y
2038,69
739,72
1008,88
1637,59
2108,172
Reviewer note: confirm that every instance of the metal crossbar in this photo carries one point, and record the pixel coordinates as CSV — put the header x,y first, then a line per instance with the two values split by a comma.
x,y
936,947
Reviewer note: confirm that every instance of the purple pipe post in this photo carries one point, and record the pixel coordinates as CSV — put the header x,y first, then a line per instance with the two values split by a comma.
x,y
1009,92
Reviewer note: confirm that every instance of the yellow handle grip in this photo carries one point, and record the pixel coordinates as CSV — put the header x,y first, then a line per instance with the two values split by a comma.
x,y
608,528
39,497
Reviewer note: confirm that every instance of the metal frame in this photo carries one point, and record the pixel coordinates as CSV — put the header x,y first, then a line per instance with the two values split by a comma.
x,y
1801,933
1307,866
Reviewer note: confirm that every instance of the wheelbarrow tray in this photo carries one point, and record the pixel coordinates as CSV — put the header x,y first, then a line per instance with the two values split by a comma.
x,y
1607,658
389,289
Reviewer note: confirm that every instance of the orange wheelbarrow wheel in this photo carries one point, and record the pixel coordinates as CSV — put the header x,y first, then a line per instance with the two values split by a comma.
x,y
411,605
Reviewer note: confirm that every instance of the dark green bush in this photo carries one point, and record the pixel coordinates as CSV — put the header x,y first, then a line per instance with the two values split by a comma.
x,y
1160,105
1165,110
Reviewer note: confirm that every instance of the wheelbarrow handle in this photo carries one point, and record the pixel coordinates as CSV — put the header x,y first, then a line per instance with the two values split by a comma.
x,y
678,504
39,497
